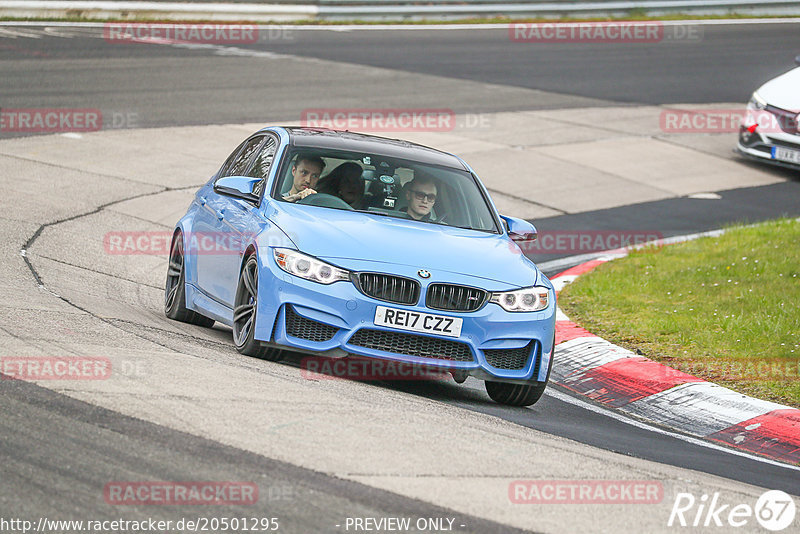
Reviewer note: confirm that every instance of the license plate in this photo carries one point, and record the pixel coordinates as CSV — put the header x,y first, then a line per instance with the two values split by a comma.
x,y
786,154
418,322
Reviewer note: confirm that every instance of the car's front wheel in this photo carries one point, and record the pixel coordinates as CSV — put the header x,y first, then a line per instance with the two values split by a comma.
x,y
515,394
518,394
244,314
175,288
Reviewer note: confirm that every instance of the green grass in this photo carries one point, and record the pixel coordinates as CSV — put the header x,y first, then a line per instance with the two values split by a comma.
x,y
726,309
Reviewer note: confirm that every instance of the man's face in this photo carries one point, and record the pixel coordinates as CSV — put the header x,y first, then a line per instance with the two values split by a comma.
x,y
306,175
421,198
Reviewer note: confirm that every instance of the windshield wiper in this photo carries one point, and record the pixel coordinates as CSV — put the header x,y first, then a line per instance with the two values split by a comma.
x,y
464,227
384,214
452,225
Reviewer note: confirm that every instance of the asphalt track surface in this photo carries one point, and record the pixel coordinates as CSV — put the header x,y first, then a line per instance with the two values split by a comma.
x,y
173,86
170,86
56,477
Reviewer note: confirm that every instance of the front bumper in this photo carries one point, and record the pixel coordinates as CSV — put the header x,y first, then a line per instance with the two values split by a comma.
x,y
764,140
338,320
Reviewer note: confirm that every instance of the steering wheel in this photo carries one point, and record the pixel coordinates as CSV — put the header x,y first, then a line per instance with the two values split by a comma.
x,y
326,201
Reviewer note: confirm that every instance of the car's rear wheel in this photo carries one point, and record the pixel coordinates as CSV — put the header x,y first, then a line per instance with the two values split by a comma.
x,y
244,314
519,394
175,288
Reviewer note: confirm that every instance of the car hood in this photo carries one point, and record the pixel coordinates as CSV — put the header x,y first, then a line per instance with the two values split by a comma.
x,y
783,91
340,235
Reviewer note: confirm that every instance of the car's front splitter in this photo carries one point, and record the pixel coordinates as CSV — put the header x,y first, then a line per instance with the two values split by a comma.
x,y
338,320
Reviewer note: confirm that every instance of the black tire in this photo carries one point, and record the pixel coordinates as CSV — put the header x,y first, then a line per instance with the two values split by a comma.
x,y
519,394
515,394
175,288
245,306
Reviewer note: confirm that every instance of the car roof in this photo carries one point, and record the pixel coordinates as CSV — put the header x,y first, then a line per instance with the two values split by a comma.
x,y
370,144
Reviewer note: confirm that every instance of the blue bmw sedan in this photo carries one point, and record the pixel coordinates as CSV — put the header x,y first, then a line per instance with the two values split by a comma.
x,y
354,246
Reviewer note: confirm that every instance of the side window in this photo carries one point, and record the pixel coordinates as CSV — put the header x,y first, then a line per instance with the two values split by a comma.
x,y
287,181
239,164
230,160
264,159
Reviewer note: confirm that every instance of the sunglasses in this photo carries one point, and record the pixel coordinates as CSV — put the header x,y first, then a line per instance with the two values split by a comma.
x,y
419,195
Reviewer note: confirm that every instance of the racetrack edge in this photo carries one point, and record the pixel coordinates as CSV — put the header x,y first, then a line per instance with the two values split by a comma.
x,y
619,379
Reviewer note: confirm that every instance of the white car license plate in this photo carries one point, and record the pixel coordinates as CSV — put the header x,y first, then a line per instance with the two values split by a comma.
x,y
786,154
418,322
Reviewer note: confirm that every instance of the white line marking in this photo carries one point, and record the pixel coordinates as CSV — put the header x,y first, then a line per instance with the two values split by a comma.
x,y
572,261
644,426
561,316
705,196
560,281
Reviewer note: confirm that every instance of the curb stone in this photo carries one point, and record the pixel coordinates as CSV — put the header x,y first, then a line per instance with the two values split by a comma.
x,y
618,378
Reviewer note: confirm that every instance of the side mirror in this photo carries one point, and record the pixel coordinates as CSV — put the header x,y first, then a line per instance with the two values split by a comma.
x,y
519,230
243,187
797,60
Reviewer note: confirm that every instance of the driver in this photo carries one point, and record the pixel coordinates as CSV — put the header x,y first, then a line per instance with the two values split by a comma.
x,y
421,196
305,174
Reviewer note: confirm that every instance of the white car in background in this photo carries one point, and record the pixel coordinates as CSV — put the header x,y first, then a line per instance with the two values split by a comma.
x,y
770,130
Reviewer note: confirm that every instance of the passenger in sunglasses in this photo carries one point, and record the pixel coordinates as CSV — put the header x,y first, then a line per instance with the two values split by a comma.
x,y
421,196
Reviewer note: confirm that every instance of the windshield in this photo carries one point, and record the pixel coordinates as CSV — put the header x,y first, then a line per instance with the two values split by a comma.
x,y
379,185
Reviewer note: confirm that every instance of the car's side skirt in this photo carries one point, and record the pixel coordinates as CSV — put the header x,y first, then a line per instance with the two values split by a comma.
x,y
198,301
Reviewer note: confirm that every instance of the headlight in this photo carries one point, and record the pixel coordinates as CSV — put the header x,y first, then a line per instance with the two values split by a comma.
x,y
756,102
305,266
528,299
